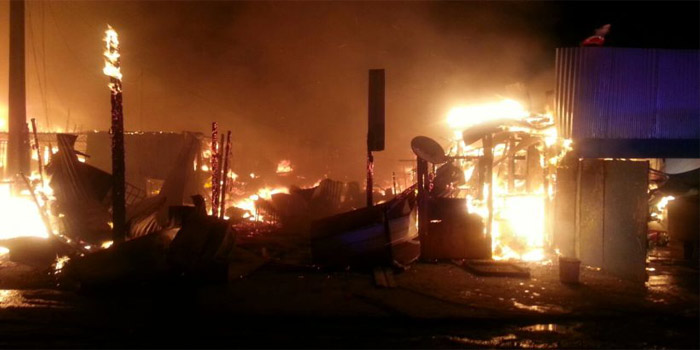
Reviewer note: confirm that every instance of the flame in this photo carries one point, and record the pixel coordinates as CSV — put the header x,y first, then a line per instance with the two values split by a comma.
x,y
663,203
467,116
660,211
19,215
111,54
60,263
3,117
284,167
248,203
518,229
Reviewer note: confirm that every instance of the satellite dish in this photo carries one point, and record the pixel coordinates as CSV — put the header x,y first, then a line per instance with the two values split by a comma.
x,y
428,149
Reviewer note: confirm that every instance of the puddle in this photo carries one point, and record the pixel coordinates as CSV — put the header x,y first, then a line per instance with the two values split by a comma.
x,y
548,327
15,298
551,328
540,308
509,341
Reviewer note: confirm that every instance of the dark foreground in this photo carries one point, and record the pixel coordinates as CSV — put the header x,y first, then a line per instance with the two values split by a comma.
x,y
433,306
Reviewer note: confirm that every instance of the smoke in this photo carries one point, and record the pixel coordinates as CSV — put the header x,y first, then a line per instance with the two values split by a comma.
x,y
288,78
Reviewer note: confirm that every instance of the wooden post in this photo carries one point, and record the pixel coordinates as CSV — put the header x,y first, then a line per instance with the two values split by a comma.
x,y
375,126
511,167
220,161
118,166
38,152
370,178
113,70
488,163
224,173
214,168
423,183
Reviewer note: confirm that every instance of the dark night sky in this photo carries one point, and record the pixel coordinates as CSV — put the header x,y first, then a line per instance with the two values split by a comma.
x,y
289,78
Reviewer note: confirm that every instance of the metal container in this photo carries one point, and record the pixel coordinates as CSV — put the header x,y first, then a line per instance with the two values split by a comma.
x,y
569,270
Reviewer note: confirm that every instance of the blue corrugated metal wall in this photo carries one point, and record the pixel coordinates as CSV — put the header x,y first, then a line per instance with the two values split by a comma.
x,y
649,97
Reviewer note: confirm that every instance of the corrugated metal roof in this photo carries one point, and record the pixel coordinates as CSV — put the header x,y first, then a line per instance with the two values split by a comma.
x,y
620,93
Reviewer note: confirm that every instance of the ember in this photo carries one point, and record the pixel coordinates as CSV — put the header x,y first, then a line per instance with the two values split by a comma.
x,y
284,167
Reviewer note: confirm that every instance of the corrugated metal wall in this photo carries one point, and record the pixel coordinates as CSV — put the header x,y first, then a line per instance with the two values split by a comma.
x,y
630,94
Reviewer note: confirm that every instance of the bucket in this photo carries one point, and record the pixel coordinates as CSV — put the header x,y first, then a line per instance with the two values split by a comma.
x,y
569,270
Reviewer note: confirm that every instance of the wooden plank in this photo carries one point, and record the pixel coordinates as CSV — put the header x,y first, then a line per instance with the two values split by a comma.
x,y
534,169
591,211
625,223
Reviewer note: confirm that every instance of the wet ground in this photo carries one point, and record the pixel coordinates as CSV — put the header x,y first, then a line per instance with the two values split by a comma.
x,y
435,305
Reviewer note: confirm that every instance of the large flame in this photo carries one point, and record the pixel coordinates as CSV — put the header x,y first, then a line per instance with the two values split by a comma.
x,y
248,203
3,118
467,116
111,54
19,215
518,228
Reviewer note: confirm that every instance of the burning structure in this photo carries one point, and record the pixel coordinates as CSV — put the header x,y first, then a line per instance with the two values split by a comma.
x,y
509,191
512,185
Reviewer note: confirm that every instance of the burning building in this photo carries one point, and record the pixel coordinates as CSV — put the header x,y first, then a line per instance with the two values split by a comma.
x,y
578,180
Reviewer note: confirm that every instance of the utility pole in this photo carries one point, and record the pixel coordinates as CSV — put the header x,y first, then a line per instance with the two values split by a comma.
x,y
18,136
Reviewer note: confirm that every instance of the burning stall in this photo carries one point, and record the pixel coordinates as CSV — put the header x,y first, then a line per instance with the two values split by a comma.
x,y
577,181
491,194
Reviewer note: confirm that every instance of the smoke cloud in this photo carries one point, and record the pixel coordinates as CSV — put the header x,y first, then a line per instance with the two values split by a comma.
x,y
288,78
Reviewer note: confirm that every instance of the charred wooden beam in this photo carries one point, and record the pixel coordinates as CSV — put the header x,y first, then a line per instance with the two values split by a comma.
x,y
38,151
375,127
224,174
488,161
214,168
113,70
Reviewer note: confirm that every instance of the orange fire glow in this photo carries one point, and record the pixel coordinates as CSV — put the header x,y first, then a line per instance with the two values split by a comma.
x,y
467,116
19,215
111,54
248,203
284,167
3,118
518,227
